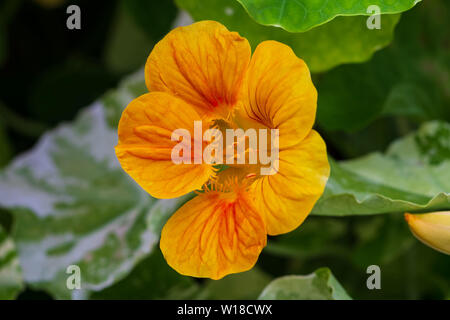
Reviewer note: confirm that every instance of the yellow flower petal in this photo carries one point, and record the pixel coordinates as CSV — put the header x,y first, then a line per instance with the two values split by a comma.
x,y
287,197
213,235
145,146
278,93
204,64
433,229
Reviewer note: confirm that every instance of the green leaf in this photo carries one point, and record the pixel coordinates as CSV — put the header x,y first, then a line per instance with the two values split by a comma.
x,y
409,78
413,175
344,40
151,279
319,285
154,17
74,205
309,241
302,15
75,83
11,282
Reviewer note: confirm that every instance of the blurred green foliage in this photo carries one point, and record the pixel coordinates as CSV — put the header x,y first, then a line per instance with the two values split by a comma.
x,y
412,176
378,92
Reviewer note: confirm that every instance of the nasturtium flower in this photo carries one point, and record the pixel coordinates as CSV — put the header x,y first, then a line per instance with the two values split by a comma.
x,y
433,229
203,72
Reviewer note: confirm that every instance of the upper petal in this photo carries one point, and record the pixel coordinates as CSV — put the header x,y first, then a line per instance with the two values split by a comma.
x,y
213,235
287,197
145,146
204,64
278,93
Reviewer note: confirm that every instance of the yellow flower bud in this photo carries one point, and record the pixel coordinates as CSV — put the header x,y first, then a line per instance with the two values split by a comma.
x,y
433,229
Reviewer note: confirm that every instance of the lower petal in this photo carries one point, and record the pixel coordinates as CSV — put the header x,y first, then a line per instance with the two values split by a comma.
x,y
213,235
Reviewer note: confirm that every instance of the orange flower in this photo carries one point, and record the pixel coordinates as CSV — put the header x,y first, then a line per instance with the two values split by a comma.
x,y
205,72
